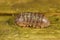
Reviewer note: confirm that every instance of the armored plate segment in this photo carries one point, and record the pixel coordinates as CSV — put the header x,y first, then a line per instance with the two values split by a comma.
x,y
36,20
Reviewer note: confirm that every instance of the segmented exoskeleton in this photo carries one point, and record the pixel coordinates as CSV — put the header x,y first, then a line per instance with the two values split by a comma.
x,y
36,20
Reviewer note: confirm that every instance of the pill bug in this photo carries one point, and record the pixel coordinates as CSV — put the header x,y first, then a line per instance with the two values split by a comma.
x,y
29,19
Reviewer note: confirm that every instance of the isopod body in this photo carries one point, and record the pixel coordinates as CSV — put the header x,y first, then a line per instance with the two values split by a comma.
x,y
36,20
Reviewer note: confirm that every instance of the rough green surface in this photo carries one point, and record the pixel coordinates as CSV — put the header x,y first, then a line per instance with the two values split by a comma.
x,y
9,31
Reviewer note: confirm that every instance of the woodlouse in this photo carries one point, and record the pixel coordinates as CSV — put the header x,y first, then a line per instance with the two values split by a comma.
x,y
36,20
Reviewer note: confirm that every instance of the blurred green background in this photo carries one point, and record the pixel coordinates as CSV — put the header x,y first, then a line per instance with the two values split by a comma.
x,y
13,6
10,31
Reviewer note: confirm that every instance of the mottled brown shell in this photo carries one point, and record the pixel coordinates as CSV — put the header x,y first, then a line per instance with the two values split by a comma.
x,y
36,20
